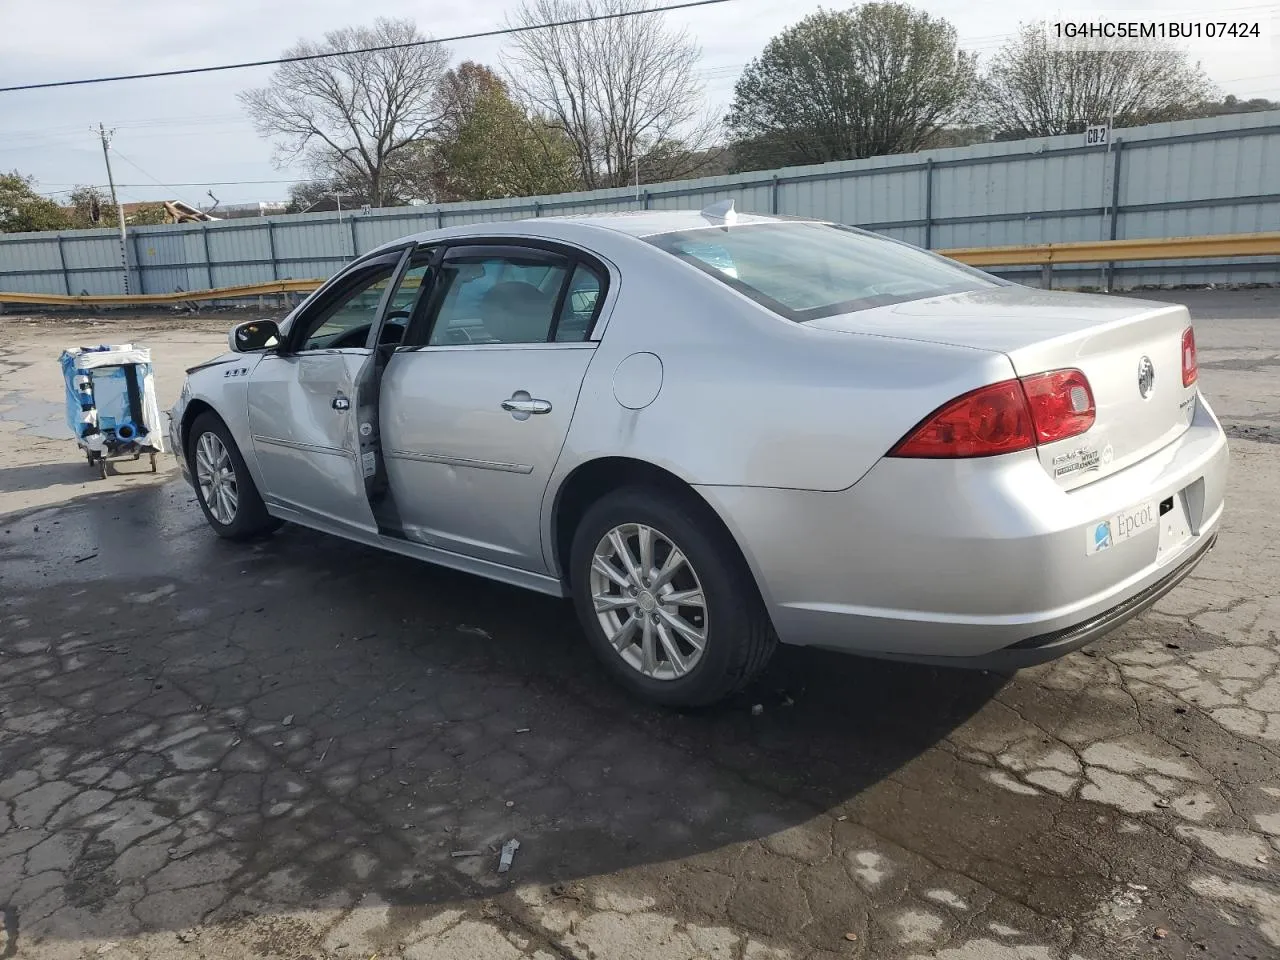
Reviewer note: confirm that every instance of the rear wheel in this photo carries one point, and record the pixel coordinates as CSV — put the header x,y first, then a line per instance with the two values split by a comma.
x,y
666,600
227,495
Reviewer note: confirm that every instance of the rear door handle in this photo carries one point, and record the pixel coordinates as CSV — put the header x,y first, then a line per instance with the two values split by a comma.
x,y
341,403
521,405
527,406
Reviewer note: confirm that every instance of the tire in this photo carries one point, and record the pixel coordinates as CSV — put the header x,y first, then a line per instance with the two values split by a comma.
x,y
248,517
736,632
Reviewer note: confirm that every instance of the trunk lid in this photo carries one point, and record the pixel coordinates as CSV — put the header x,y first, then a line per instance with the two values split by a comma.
x,y
1112,340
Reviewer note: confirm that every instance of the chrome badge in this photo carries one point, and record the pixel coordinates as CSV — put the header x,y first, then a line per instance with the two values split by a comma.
x,y
1146,377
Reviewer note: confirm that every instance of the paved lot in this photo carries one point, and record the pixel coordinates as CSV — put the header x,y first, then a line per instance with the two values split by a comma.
x,y
209,750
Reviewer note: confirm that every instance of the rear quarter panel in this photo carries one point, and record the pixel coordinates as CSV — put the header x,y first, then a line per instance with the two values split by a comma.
x,y
748,398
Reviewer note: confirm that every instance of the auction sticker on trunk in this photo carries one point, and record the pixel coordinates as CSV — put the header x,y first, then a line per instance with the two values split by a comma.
x,y
1105,534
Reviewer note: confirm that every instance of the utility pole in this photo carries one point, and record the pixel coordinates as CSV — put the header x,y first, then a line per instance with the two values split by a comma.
x,y
106,136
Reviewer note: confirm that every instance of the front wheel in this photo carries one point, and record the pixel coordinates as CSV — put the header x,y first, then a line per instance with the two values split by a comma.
x,y
226,492
666,600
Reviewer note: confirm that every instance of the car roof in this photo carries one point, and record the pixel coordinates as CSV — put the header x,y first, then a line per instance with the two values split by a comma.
x,y
648,223
637,223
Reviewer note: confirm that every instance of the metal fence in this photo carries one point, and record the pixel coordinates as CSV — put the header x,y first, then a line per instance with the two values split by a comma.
x,y
1188,178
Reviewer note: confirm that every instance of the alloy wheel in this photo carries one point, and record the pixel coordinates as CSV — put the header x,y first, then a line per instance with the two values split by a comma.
x,y
649,601
216,477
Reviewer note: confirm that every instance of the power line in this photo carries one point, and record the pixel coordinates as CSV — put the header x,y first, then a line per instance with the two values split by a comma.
x,y
504,31
167,186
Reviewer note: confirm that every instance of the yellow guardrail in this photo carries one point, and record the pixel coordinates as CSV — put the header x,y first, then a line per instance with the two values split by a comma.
x,y
181,296
1106,251
1040,254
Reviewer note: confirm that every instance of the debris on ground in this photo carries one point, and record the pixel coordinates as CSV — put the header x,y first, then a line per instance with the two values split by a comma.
x,y
508,854
1162,803
475,631
287,721
757,709
1160,933
568,891
851,937
522,730
467,853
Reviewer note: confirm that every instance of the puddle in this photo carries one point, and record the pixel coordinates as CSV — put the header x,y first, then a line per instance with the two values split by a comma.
x,y
39,418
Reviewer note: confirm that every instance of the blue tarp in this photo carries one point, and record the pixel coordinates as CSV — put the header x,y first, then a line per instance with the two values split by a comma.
x,y
101,406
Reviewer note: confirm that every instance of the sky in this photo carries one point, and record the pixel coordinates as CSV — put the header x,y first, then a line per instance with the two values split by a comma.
x,y
185,137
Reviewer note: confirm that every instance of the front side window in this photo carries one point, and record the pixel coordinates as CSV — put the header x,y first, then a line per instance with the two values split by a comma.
x,y
407,301
344,320
808,270
498,299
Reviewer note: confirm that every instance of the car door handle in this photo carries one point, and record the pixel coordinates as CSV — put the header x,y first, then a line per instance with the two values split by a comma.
x,y
341,403
530,405
526,405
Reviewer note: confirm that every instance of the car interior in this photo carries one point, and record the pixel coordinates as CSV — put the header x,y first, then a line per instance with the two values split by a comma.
x,y
493,300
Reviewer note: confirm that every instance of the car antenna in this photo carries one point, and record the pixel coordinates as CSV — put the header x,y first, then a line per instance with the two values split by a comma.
x,y
722,211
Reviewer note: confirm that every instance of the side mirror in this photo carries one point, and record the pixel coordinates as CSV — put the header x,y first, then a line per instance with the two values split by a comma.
x,y
254,335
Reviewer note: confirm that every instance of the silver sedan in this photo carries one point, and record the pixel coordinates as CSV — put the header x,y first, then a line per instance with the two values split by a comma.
x,y
717,431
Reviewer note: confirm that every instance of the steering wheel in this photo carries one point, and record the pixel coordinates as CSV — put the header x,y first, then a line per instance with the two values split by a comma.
x,y
393,331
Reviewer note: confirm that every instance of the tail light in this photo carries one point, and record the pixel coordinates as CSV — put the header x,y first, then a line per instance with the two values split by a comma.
x,y
1190,369
982,423
1005,417
1061,404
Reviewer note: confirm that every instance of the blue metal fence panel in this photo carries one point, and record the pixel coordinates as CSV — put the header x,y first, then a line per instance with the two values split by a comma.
x,y
1208,176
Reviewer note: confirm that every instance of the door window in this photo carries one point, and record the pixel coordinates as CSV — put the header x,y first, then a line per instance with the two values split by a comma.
x,y
345,319
497,299
407,301
580,305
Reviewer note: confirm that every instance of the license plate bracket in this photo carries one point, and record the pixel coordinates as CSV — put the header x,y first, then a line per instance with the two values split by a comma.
x,y
1125,525
1175,524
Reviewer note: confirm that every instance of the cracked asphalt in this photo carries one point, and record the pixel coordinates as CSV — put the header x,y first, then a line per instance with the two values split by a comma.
x,y
306,749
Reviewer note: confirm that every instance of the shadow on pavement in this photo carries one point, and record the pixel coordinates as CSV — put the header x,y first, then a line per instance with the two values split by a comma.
x,y
354,718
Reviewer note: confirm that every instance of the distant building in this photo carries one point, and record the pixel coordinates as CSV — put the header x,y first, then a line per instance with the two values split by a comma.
x,y
236,211
329,204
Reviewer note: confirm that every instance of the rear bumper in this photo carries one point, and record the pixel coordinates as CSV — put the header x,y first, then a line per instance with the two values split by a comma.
x,y
974,563
1050,646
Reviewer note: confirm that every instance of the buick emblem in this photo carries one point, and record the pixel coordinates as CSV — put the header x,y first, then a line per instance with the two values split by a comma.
x,y
1146,377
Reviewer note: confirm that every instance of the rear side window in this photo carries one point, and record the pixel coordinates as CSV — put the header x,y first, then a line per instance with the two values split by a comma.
x,y
808,270
580,305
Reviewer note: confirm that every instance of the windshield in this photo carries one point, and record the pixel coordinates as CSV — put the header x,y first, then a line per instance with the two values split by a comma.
x,y
808,270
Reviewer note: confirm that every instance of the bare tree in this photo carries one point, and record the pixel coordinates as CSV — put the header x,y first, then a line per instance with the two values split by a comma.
x,y
620,90
1035,87
353,117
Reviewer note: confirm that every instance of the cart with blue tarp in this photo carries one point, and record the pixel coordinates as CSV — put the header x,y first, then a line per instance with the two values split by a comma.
x,y
111,403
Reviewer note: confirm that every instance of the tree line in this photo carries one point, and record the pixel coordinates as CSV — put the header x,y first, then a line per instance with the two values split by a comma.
x,y
609,102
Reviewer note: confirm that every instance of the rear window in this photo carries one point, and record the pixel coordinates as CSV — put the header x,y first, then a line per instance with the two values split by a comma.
x,y
808,270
